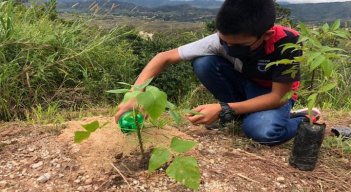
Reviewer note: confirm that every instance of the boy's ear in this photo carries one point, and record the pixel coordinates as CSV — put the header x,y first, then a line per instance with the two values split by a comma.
x,y
269,34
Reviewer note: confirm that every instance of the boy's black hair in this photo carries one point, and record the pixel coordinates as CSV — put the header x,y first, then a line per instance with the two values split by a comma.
x,y
249,17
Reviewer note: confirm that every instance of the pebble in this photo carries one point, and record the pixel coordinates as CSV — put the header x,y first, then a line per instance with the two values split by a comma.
x,y
31,148
344,160
80,188
3,184
88,181
61,175
280,179
88,187
44,178
77,181
37,165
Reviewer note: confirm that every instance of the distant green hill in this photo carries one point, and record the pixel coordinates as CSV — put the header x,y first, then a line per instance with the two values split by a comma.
x,y
200,10
320,12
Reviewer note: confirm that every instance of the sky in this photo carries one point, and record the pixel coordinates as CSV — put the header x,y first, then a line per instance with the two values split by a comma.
x,y
312,1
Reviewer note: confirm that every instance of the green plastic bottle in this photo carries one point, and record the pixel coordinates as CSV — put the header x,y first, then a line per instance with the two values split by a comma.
x,y
127,123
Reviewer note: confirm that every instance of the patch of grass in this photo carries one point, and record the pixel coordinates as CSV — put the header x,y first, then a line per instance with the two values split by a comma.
x,y
48,115
337,144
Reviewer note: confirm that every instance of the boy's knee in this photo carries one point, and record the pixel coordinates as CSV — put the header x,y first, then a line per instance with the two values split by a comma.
x,y
264,132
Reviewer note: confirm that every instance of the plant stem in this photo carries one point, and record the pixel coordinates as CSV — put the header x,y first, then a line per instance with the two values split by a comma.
x,y
310,89
139,134
313,75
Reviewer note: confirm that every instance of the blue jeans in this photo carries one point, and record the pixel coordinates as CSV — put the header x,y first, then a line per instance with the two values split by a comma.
x,y
269,127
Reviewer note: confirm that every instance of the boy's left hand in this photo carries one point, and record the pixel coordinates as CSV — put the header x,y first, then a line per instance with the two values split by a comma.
x,y
209,114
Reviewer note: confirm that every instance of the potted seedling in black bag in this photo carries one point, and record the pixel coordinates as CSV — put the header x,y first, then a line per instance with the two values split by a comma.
x,y
318,61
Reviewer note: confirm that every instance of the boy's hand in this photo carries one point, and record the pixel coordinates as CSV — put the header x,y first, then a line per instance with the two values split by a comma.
x,y
125,107
209,114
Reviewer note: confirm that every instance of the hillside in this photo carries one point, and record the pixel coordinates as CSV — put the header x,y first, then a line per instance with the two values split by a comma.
x,y
320,12
201,10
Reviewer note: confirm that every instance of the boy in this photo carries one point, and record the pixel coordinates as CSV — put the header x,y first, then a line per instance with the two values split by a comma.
x,y
231,64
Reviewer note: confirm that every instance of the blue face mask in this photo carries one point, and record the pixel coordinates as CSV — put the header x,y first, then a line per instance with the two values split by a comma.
x,y
238,51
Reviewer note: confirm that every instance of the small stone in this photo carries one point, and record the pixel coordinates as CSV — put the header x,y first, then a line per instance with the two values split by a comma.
x,y
31,148
211,151
280,179
88,187
12,176
3,184
44,178
77,181
80,188
61,175
135,182
88,181
37,165
344,160
212,161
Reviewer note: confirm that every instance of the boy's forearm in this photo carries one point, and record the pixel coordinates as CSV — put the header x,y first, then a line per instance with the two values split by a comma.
x,y
260,103
158,64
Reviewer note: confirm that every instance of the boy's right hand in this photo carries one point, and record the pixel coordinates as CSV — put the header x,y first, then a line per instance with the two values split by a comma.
x,y
125,107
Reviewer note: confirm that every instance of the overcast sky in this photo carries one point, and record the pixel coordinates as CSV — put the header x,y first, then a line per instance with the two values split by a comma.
x,y
312,1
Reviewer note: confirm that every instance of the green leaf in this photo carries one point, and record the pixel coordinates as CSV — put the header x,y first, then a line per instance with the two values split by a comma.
x,y
303,29
79,136
91,127
312,56
336,25
342,34
327,67
325,28
328,49
191,112
327,88
280,62
130,95
287,96
292,46
302,39
170,105
317,62
175,116
123,83
142,86
186,171
181,146
154,101
158,157
118,91
314,42
311,102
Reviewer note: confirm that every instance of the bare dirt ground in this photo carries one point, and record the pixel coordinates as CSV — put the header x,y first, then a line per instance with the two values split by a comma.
x,y
44,158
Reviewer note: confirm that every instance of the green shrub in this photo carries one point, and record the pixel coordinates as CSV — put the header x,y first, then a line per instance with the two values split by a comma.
x,y
44,61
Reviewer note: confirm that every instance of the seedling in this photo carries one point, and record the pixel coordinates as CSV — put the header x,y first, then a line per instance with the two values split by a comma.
x,y
318,56
153,102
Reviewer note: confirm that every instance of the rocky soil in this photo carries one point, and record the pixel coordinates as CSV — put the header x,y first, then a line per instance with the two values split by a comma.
x,y
44,158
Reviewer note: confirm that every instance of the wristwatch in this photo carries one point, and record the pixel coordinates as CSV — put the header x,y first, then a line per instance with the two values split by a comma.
x,y
227,114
